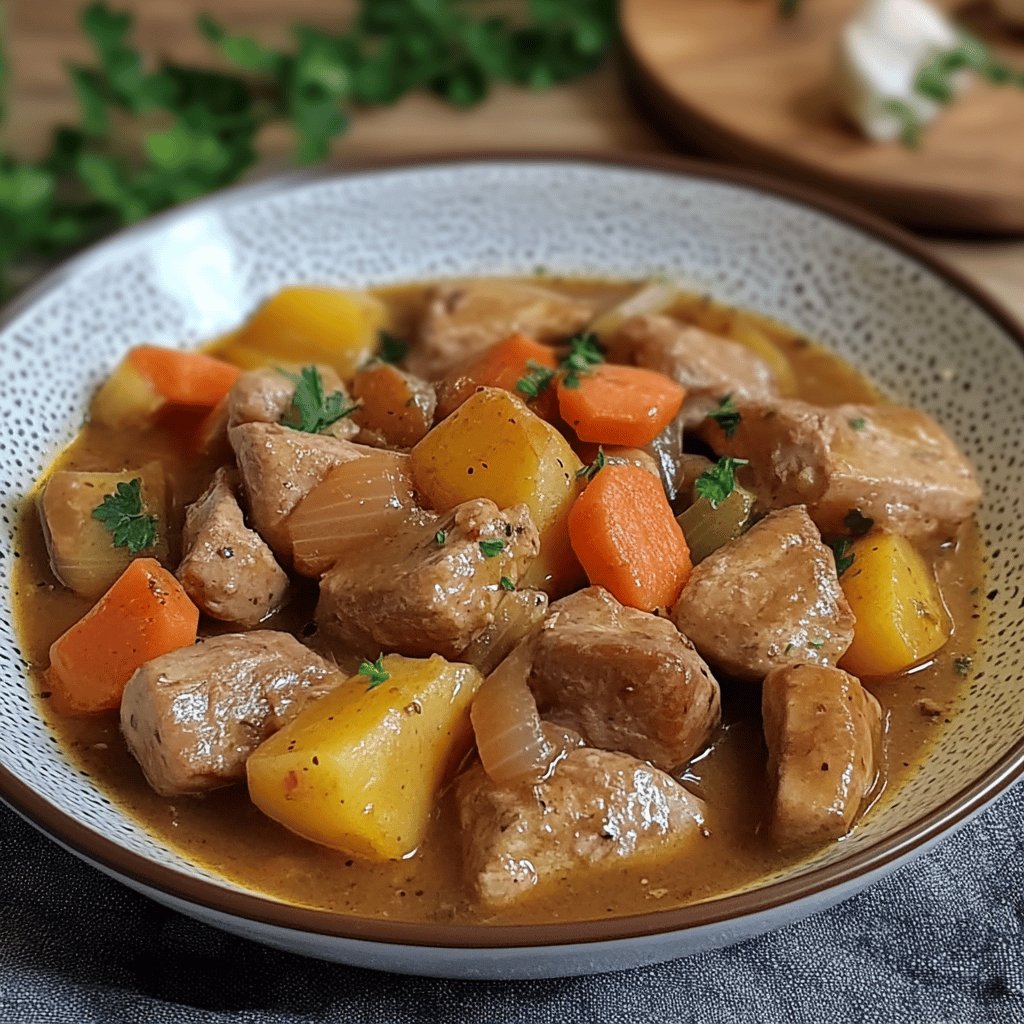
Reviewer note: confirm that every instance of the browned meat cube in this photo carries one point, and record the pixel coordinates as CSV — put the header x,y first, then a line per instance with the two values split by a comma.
x,y
599,811
709,367
768,599
191,718
428,589
228,570
823,731
624,680
896,466
279,467
396,408
465,317
265,396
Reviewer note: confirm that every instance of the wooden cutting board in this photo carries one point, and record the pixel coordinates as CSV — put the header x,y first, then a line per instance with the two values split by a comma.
x,y
742,83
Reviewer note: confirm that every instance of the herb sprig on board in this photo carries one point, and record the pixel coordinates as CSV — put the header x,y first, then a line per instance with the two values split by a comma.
x,y
197,126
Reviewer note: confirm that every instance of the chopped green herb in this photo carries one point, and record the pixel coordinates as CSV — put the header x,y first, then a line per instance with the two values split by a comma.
x,y
441,538
316,411
491,548
374,671
816,644
726,415
122,514
718,482
391,348
858,423
857,523
595,467
506,583
789,647
911,128
536,380
584,354
963,665
841,550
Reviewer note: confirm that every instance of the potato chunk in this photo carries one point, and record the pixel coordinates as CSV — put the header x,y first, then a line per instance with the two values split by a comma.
x,y
494,447
360,770
901,619
308,325
82,552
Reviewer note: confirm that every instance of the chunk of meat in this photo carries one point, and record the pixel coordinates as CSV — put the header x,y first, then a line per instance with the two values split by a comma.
x,y
428,589
396,408
227,569
596,813
624,680
265,396
191,718
896,466
464,317
279,467
767,599
823,731
709,367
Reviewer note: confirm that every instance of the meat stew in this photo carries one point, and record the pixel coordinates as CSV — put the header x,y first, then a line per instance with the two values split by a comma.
x,y
623,564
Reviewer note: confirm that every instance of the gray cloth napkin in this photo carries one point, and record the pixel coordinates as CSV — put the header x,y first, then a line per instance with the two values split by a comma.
x,y
940,942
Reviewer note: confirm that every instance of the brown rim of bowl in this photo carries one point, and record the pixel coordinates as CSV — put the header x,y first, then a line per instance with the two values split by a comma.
x,y
913,838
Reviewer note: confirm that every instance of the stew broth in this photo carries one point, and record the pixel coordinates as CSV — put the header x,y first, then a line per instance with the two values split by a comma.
x,y
225,833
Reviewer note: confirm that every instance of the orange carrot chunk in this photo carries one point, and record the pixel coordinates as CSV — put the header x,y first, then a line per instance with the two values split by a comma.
x,y
626,538
502,365
184,378
143,615
624,405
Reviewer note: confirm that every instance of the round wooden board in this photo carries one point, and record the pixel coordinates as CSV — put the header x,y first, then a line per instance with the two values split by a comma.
x,y
740,82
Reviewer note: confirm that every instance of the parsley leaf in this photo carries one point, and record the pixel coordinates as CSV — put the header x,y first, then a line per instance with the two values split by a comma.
x,y
374,671
726,415
963,664
841,550
507,584
911,128
718,482
441,538
316,411
595,467
492,548
857,523
536,381
857,423
122,514
816,644
584,354
392,349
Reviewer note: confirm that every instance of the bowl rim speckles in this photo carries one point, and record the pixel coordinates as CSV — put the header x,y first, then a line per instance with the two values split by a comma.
x,y
816,888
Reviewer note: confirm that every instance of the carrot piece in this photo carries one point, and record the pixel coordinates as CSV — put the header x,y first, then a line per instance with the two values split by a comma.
x,y
626,538
624,405
143,615
184,378
502,365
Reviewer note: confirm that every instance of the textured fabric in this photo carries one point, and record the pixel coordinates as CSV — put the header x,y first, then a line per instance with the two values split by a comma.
x,y
941,942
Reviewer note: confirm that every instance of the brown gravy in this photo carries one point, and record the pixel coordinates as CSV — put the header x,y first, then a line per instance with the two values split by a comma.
x,y
224,831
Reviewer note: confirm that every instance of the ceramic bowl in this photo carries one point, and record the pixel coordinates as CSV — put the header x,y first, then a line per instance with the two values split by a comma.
x,y
866,291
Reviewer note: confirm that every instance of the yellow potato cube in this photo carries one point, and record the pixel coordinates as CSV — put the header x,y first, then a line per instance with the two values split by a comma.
x,y
126,399
901,619
494,447
308,325
360,770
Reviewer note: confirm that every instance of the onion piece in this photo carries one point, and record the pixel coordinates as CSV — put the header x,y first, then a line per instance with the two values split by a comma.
x,y
510,736
358,503
653,297
516,614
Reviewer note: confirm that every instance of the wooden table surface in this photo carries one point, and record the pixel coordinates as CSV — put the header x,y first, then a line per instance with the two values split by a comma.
x,y
594,114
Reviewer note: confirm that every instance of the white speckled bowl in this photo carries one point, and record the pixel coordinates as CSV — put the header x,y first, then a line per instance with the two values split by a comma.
x,y
864,289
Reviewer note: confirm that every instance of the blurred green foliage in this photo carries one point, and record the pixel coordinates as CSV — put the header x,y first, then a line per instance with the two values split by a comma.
x,y
197,126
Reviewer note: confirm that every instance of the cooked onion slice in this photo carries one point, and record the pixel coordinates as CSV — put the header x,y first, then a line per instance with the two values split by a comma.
x,y
653,297
510,736
357,503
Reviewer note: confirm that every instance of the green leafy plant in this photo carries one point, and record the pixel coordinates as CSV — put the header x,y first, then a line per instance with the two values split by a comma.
x,y
123,515
197,126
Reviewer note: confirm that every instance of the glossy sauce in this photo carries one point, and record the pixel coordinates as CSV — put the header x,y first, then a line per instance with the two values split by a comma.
x,y
226,833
